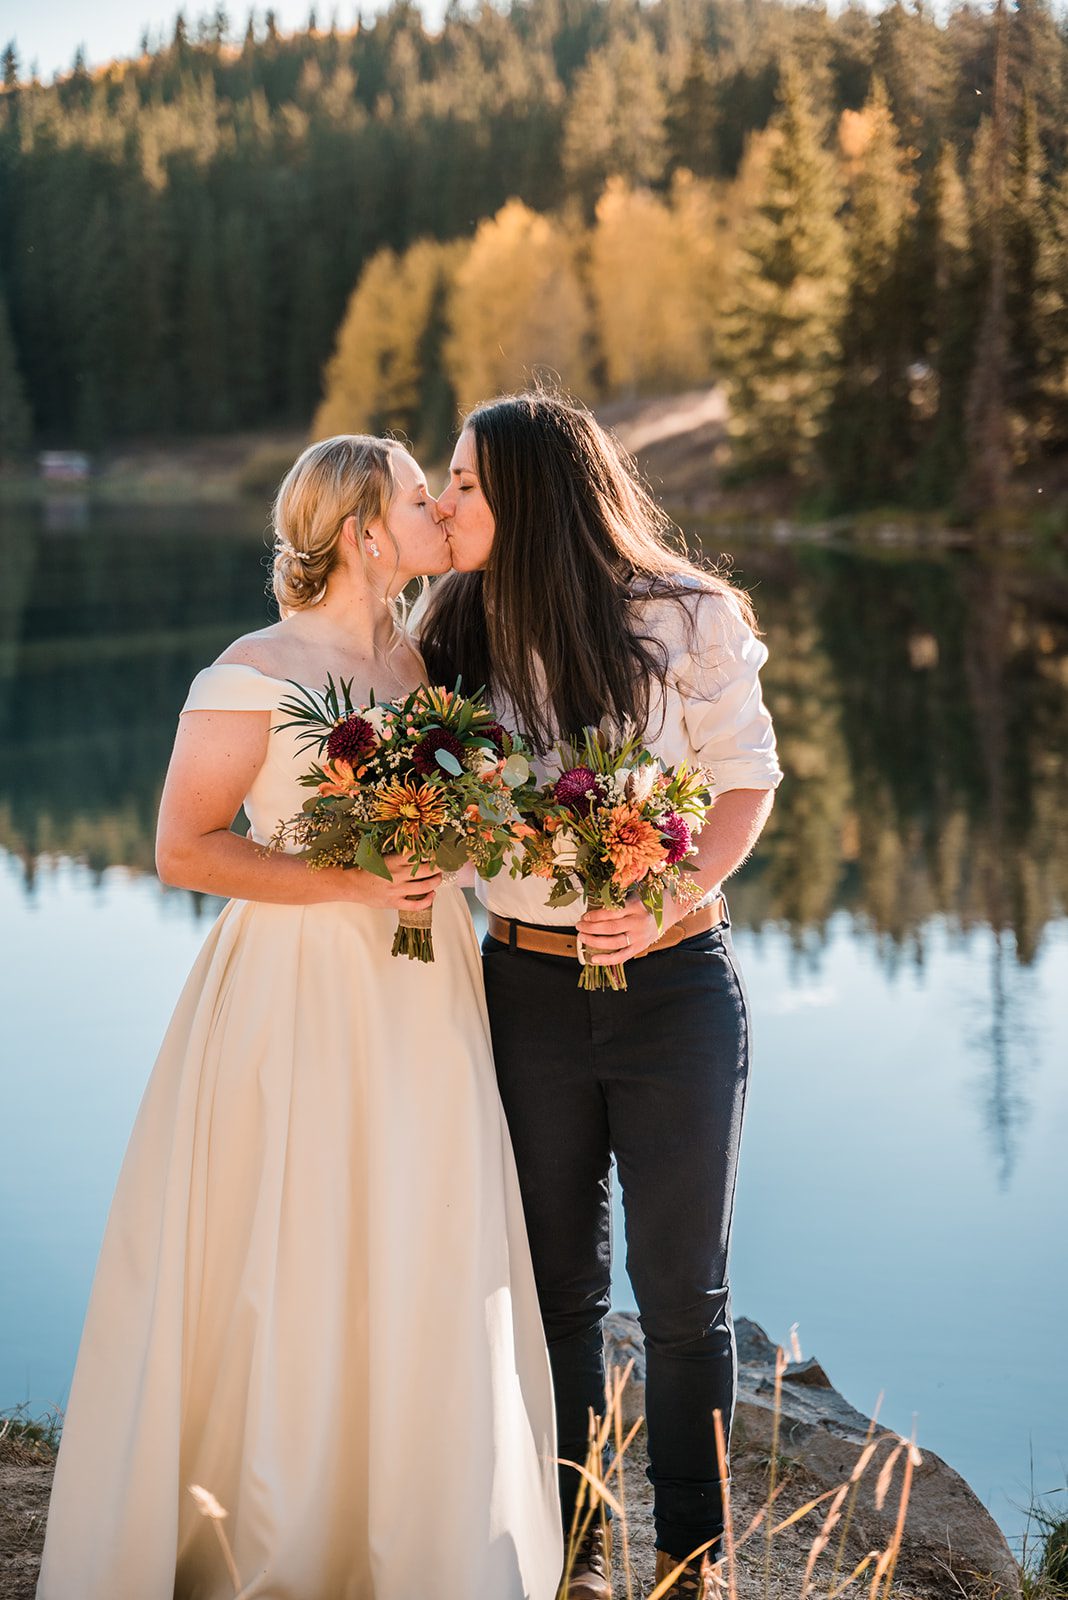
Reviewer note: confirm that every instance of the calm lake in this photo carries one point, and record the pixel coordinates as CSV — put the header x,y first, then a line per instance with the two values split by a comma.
x,y
903,930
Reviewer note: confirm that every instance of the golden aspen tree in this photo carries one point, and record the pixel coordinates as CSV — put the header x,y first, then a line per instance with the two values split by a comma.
x,y
516,309
651,271
381,367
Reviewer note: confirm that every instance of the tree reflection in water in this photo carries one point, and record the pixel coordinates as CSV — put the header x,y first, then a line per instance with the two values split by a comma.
x,y
920,703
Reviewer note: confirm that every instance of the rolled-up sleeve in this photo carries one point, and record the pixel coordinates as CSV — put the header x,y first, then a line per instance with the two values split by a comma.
x,y
718,681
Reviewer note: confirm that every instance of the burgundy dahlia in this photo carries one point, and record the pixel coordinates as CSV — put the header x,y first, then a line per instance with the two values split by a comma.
x,y
571,786
423,756
352,740
495,734
676,830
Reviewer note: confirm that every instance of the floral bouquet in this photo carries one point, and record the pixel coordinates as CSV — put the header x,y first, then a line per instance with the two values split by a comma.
x,y
434,777
614,823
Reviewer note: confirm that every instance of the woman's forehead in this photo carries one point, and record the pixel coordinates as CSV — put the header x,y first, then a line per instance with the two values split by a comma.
x,y
463,457
406,470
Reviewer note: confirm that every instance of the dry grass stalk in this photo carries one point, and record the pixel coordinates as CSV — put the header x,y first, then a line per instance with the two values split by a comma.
x,y
725,1495
859,1468
210,1508
618,1462
595,1495
773,1469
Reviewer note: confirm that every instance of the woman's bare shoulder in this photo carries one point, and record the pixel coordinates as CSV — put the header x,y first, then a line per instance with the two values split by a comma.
x,y
262,650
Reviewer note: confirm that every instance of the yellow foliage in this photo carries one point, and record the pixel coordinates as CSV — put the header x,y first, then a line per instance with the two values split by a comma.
x,y
373,382
516,308
855,131
653,277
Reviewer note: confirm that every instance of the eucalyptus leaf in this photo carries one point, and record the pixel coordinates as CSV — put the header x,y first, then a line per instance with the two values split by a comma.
x,y
516,770
446,759
369,857
451,853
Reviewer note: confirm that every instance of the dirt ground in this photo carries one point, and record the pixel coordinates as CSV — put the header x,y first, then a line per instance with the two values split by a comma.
x,y
26,1477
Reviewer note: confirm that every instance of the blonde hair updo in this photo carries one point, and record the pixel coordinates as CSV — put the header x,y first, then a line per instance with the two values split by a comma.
x,y
349,475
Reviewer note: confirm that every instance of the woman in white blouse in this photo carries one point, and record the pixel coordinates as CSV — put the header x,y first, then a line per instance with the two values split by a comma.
x,y
569,600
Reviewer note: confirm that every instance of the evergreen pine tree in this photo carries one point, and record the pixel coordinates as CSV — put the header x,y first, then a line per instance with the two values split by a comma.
x,y
1025,231
204,401
14,409
912,58
1051,408
10,66
693,116
868,434
986,412
781,335
615,126
945,267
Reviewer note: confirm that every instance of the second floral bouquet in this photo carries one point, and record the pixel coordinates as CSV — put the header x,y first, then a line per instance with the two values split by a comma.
x,y
614,824
434,777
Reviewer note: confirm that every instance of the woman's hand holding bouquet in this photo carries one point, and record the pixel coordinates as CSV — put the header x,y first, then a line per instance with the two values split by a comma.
x,y
408,788
616,828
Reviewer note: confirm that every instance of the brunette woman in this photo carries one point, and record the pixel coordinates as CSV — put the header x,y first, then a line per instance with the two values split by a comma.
x,y
570,601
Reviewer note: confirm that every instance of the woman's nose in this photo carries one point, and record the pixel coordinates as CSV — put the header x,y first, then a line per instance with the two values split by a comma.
x,y
443,506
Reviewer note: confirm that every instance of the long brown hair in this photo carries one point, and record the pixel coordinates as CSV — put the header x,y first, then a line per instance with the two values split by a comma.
x,y
577,538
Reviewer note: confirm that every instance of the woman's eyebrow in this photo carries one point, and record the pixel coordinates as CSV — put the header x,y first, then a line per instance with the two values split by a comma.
x,y
456,471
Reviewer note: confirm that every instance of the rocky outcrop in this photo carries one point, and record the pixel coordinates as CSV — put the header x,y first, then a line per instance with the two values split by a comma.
x,y
952,1545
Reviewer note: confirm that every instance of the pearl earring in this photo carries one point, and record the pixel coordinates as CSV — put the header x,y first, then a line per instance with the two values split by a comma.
x,y
375,551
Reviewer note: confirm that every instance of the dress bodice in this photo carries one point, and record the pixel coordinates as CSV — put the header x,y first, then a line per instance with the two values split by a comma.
x,y
275,794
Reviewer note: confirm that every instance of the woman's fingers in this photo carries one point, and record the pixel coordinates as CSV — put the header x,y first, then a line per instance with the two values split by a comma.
x,y
617,933
604,939
603,914
404,870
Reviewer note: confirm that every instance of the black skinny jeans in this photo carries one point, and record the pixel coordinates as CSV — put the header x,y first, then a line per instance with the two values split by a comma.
x,y
658,1076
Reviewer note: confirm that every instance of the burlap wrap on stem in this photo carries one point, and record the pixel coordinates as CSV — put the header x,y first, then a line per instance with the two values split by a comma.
x,y
414,938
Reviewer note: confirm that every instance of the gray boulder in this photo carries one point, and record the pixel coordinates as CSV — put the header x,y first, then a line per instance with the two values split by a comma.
x,y
951,1542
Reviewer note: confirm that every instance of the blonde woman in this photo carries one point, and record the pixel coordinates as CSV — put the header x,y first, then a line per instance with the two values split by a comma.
x,y
314,1298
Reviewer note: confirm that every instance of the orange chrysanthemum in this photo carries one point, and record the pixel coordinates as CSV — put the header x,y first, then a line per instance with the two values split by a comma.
x,y
413,806
633,845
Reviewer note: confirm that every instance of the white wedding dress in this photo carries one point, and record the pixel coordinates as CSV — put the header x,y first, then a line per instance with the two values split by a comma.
x,y
314,1296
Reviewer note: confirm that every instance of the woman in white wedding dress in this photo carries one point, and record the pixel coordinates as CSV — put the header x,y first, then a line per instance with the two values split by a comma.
x,y
314,1296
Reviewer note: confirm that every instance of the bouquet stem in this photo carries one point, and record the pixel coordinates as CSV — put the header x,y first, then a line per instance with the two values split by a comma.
x,y
596,978
414,937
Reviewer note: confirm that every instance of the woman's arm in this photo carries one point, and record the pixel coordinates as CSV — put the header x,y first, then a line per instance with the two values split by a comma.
x,y
215,758
728,838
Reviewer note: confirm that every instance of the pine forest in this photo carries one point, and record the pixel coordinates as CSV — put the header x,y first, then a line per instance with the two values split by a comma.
x,y
856,223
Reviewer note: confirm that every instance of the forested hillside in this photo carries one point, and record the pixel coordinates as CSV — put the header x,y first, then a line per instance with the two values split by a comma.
x,y
859,221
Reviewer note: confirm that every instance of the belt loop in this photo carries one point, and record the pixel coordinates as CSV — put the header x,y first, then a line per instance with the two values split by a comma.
x,y
726,909
512,925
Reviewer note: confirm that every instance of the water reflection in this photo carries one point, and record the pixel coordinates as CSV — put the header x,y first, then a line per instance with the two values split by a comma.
x,y
919,701
897,927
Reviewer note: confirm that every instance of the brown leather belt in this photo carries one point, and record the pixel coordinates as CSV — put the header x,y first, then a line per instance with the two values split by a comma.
x,y
549,942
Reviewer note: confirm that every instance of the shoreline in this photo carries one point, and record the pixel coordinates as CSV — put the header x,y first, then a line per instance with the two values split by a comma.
x,y
792,1417
678,441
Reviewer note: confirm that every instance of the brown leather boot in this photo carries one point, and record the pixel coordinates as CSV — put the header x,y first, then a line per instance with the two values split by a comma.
x,y
694,1582
591,1571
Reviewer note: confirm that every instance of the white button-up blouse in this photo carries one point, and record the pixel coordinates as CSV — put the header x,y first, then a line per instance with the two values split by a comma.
x,y
713,713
